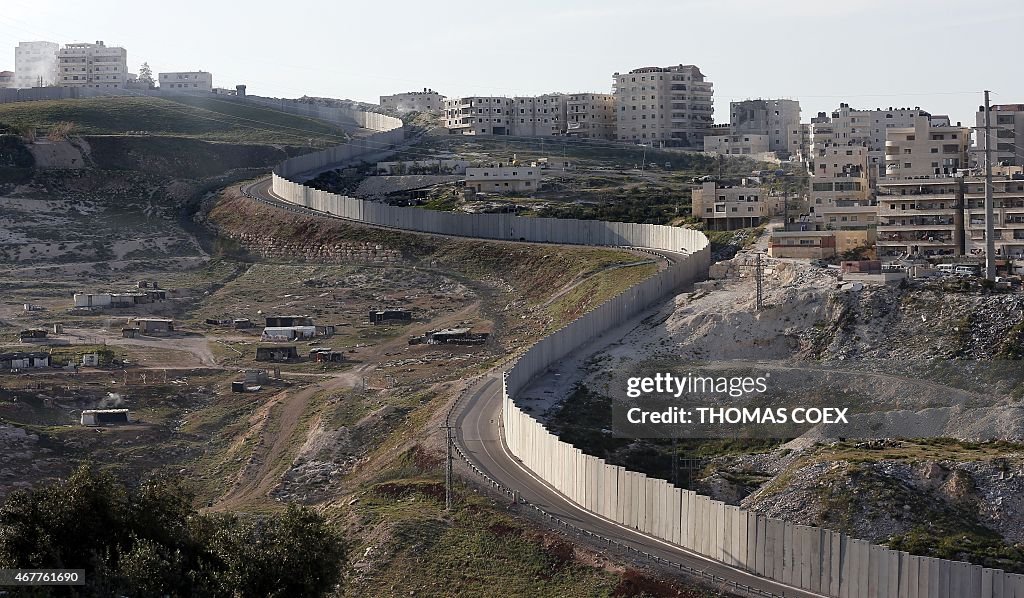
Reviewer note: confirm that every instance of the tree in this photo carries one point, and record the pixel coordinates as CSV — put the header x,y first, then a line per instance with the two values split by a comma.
x,y
146,75
151,541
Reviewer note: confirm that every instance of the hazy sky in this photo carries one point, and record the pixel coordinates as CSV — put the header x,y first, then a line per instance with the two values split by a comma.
x,y
937,54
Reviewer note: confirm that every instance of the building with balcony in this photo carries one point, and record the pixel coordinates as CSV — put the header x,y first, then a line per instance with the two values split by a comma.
x,y
664,106
427,100
848,125
921,217
92,65
927,149
1007,121
737,144
35,64
729,208
539,116
186,81
590,115
831,159
779,120
479,115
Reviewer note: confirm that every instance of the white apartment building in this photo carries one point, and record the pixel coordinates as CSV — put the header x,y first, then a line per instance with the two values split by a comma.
x,y
728,208
868,127
186,81
738,144
427,100
670,106
778,119
590,115
1008,123
539,116
92,65
480,115
35,64
503,178
918,217
926,149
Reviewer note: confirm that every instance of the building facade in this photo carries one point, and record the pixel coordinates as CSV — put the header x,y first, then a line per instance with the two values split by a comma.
x,y
539,116
6,79
738,144
186,81
503,178
427,100
92,65
926,149
728,208
922,217
666,106
779,120
848,125
35,64
480,115
590,115
1007,121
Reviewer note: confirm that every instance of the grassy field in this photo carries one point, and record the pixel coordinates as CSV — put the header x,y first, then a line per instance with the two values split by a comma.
x,y
210,118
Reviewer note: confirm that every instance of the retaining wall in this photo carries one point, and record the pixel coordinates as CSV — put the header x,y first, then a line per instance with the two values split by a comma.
x,y
814,559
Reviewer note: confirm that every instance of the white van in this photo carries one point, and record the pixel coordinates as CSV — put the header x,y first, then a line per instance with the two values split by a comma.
x,y
966,270
945,268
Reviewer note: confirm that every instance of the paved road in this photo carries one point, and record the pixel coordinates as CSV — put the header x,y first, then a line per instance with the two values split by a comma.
x,y
478,433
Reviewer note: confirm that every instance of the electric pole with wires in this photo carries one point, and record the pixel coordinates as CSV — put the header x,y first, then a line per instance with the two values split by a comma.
x,y
448,467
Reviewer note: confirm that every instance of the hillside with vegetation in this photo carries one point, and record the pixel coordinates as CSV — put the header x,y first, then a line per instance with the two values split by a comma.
x,y
207,118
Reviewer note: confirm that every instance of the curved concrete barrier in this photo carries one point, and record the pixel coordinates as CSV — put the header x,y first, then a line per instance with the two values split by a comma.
x,y
814,559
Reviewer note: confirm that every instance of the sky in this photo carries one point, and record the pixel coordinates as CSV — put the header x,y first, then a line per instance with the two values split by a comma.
x,y
936,54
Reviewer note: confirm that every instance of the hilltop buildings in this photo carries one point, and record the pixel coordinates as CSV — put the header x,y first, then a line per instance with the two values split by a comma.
x,y
186,81
35,64
664,106
92,65
427,100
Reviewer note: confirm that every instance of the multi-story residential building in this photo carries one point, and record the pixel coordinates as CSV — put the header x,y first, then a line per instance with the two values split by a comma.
x,y
670,106
92,65
1007,121
186,81
427,100
6,79
729,208
868,127
590,115
842,201
737,144
539,116
503,178
927,149
919,217
830,159
778,119
35,64
488,115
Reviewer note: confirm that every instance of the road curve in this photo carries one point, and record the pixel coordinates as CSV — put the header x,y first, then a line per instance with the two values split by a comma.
x,y
480,441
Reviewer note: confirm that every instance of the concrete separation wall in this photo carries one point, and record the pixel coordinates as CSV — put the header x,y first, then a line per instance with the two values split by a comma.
x,y
814,559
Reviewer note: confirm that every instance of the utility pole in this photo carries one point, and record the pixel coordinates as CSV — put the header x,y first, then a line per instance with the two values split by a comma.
x,y
759,281
448,468
990,241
